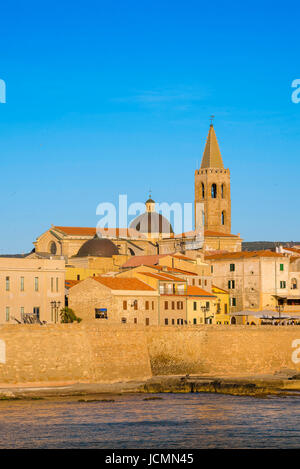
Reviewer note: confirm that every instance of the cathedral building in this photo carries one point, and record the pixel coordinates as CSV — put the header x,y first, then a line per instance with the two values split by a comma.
x,y
151,233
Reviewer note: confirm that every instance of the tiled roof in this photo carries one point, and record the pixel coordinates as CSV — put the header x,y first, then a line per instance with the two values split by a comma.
x,y
243,255
163,276
218,234
135,261
88,231
122,283
222,289
171,269
196,291
71,283
181,256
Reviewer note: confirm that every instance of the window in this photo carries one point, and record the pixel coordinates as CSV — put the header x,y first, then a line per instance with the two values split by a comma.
x,y
135,320
214,191
7,283
123,320
223,191
281,267
22,312
199,282
195,305
52,284
53,248
193,281
173,321
211,269
173,304
166,305
166,321
100,313
7,313
233,301
22,283
125,304
78,277
135,305
57,284
203,190
152,304
205,283
146,304
232,267
282,284
231,284
207,305
194,321
147,321
36,283
179,305
225,308
223,218
36,311
294,284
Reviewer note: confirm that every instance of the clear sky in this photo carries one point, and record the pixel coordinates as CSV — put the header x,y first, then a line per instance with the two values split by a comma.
x,y
114,97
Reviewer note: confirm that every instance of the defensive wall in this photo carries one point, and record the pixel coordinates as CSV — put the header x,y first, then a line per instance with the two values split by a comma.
x,y
100,353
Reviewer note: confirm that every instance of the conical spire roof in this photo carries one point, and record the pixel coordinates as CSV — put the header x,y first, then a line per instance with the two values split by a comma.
x,y
212,156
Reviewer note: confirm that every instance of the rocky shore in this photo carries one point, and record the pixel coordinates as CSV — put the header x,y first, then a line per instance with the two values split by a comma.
x,y
282,383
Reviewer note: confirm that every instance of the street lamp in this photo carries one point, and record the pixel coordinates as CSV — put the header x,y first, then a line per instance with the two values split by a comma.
x,y
54,309
279,309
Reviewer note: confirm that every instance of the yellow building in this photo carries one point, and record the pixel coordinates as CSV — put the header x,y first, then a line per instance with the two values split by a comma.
x,y
222,309
201,306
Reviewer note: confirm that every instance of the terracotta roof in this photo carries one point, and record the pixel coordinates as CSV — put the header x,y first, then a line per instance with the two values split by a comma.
x,y
196,291
171,269
244,254
143,260
163,276
222,289
122,283
295,250
71,283
91,231
180,256
218,234
127,232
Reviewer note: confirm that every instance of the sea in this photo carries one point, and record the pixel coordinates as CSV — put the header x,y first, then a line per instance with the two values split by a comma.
x,y
161,421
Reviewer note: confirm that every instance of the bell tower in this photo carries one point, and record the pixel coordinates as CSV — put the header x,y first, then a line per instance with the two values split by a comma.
x,y
212,188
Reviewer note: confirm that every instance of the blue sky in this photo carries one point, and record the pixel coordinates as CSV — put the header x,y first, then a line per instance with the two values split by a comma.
x,y
114,97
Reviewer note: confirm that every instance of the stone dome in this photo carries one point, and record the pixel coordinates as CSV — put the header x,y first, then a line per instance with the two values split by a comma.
x,y
152,223
98,247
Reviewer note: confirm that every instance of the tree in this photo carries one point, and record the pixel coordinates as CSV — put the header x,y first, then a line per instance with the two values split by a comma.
x,y
67,315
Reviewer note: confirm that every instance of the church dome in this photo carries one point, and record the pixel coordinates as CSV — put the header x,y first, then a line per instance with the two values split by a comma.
x,y
151,222
98,247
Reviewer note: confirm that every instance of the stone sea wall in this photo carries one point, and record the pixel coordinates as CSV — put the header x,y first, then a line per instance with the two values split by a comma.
x,y
101,353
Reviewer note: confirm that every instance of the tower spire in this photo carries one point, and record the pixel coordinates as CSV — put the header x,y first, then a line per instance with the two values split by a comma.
x,y
212,156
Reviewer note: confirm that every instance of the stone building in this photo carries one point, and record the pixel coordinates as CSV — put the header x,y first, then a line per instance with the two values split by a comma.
x,y
115,300
258,280
32,289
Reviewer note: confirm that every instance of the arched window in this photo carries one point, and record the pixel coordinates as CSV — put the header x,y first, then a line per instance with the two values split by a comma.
x,y
214,191
52,248
223,191
223,218
294,284
203,190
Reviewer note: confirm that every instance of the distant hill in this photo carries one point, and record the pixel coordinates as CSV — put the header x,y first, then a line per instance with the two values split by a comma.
x,y
262,245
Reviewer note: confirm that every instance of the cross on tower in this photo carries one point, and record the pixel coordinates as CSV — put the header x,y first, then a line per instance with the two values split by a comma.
x,y
212,120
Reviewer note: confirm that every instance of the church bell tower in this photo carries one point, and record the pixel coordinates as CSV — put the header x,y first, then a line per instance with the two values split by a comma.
x,y
212,188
